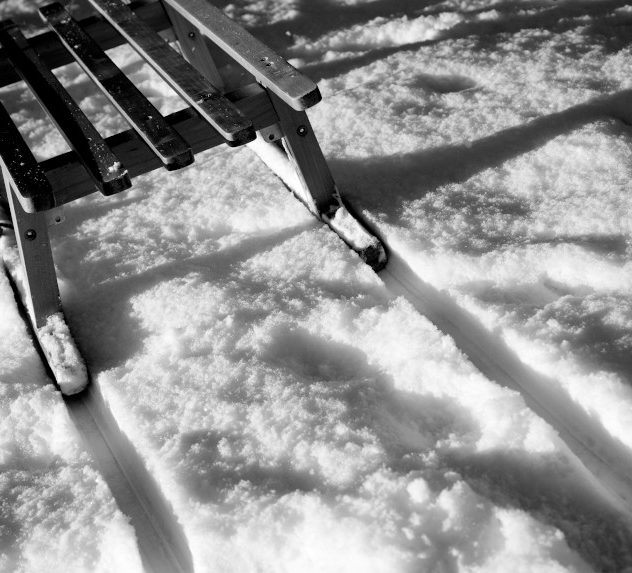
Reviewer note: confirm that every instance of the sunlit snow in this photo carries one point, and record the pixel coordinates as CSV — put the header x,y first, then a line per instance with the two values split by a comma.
x,y
468,409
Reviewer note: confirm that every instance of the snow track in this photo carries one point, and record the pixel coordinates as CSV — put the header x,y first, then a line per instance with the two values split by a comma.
x,y
608,462
161,542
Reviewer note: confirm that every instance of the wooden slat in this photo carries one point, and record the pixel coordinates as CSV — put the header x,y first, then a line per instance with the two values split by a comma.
x,y
177,72
54,55
104,167
68,178
162,139
268,68
21,169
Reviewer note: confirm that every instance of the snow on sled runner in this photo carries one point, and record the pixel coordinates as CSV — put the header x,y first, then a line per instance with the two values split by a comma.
x,y
267,111
52,333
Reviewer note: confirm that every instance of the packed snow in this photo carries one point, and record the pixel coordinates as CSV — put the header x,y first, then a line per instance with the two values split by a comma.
x,y
466,409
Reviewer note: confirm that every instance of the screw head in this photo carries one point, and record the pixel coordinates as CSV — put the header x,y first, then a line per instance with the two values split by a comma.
x,y
30,234
301,130
191,34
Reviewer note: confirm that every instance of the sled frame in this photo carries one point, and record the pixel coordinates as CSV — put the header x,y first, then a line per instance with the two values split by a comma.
x,y
272,103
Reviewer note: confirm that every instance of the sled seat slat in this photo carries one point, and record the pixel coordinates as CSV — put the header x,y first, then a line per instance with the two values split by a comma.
x,y
267,67
144,118
54,54
20,167
178,73
69,180
104,167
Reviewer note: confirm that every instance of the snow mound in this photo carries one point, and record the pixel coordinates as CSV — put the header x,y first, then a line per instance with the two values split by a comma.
x,y
62,355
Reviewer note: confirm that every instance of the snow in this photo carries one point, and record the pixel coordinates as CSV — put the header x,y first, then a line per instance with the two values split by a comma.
x,y
341,221
358,238
56,512
466,409
62,355
54,336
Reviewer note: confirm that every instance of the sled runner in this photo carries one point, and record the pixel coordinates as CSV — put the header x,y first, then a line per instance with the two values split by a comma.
x,y
236,89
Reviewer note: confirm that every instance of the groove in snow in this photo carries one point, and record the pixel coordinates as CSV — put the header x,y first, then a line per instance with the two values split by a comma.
x,y
161,542
606,461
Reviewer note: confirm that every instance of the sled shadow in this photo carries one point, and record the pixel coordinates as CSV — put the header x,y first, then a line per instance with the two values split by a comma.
x,y
101,317
594,329
411,176
328,371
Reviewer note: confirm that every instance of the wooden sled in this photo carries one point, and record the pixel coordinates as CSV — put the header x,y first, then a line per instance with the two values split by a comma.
x,y
236,88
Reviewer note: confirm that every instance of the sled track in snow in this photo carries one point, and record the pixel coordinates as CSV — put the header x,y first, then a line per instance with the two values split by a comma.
x,y
161,541
608,462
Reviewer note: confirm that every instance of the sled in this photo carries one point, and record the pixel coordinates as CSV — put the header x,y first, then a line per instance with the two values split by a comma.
x,y
236,89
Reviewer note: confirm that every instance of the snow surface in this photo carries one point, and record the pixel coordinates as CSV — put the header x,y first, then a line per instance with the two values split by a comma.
x,y
56,512
298,412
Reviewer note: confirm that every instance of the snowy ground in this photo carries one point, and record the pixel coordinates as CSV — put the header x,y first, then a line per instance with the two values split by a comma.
x,y
465,410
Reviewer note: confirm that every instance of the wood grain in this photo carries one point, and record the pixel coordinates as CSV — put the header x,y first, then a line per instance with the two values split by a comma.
x,y
307,156
31,233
